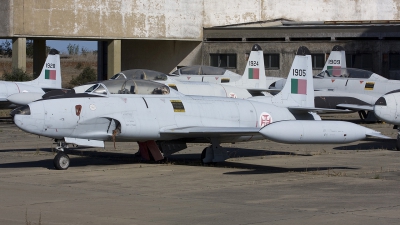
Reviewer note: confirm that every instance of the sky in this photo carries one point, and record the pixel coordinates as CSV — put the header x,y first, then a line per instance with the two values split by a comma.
x,y
62,45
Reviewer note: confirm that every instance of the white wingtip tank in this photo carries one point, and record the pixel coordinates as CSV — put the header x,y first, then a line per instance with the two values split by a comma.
x,y
336,61
50,76
254,74
298,89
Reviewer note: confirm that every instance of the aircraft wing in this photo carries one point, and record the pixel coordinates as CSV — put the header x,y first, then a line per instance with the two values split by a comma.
x,y
212,131
3,100
355,107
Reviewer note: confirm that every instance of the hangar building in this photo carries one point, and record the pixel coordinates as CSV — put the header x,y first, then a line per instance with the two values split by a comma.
x,y
163,34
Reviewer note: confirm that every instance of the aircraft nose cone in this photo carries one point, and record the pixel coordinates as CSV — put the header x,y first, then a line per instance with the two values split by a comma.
x,y
29,118
385,109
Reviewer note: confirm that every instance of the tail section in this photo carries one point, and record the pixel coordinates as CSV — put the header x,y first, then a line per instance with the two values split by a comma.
x,y
254,74
298,89
50,77
336,61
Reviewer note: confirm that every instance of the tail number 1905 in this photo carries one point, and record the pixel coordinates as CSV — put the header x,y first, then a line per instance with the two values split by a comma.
x,y
299,72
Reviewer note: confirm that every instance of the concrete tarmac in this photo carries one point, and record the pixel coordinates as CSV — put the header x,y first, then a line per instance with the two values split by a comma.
x,y
262,183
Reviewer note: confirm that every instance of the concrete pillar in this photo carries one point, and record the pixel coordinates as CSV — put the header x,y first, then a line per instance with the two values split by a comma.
x,y
102,60
39,56
113,58
19,53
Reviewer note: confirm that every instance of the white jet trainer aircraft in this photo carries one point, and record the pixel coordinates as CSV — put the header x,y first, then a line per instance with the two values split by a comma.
x,y
163,120
339,87
252,83
349,88
13,94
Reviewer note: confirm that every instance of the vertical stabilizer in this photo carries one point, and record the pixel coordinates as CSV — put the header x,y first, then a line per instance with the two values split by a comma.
x,y
50,77
336,61
254,74
298,89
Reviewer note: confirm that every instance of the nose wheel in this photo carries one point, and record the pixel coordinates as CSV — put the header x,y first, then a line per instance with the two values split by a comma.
x,y
61,161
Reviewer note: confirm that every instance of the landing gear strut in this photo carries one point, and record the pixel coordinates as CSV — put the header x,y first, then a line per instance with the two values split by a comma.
x,y
61,161
214,153
367,116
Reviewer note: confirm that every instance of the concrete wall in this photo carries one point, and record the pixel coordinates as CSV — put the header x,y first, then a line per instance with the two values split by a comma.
x,y
107,18
239,11
170,19
5,19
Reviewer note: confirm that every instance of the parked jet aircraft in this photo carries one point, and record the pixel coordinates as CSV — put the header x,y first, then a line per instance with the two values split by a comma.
x,y
13,94
209,74
348,88
163,120
252,83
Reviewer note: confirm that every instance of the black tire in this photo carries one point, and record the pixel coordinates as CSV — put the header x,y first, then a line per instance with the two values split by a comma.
x,y
398,143
61,161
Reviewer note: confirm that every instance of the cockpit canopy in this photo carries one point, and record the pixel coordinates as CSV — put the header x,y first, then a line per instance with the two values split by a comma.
x,y
131,86
140,74
199,70
345,73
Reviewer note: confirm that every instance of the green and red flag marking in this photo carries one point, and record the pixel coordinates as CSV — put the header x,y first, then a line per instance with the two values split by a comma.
x,y
299,86
254,73
336,70
50,75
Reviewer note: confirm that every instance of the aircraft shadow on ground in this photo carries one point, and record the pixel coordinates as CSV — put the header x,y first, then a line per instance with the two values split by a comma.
x,y
373,144
92,157
259,169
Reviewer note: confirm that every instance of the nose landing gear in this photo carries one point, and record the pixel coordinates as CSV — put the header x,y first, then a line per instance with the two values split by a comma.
x,y
61,161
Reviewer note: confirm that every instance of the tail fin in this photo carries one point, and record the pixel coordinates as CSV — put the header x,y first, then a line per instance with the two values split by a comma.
x,y
298,89
336,61
254,74
50,77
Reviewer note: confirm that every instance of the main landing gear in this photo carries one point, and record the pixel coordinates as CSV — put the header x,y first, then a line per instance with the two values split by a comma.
x,y
61,161
214,153
367,116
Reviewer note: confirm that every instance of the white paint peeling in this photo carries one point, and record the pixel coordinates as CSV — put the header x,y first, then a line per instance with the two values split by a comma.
x,y
183,19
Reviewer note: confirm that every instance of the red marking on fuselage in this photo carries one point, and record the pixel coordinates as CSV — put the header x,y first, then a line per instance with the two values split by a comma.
x,y
188,78
265,120
19,91
226,93
361,81
333,80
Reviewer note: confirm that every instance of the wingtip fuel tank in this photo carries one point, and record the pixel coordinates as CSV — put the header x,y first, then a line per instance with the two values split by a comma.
x,y
315,132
